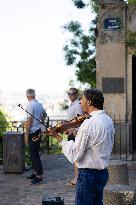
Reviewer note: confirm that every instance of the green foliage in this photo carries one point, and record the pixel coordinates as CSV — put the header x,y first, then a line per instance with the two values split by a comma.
x,y
94,5
79,4
3,126
80,52
131,1
64,105
87,72
80,49
54,146
131,41
3,123
75,28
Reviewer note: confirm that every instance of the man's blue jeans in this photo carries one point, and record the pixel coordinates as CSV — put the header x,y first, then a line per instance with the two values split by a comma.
x,y
90,185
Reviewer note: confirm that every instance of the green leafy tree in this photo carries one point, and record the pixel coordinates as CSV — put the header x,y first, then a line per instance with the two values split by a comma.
x,y
131,41
80,49
132,1
3,125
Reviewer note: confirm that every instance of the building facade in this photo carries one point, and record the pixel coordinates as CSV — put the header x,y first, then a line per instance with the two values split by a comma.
x,y
116,65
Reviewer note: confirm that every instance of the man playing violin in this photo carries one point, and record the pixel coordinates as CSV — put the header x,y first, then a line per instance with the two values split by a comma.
x,y
91,150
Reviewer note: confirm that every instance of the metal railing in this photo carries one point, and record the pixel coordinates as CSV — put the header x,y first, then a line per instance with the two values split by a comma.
x,y
124,147
124,143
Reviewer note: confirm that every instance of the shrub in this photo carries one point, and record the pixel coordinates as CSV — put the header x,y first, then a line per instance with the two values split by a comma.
x,y
3,126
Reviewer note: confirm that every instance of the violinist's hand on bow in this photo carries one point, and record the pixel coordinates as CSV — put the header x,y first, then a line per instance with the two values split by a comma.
x,y
55,134
71,131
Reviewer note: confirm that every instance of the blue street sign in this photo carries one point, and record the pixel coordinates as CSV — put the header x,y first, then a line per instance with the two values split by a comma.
x,y
112,23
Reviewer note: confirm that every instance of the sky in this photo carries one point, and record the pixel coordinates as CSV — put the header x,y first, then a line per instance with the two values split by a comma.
x,y
31,42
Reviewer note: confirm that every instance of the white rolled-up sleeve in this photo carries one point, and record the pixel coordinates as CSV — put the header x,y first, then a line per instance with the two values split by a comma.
x,y
74,151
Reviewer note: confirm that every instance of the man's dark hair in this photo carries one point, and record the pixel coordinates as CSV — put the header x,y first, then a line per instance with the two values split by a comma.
x,y
95,97
74,90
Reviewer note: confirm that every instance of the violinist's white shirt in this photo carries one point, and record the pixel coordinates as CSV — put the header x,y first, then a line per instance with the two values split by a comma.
x,y
93,144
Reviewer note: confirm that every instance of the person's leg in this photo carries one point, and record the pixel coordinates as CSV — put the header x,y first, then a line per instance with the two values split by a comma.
x,y
37,163
76,170
35,148
85,191
101,179
36,158
30,150
74,181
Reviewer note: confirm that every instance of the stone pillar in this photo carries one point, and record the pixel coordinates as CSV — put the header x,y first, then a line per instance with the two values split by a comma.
x,y
118,172
111,56
119,195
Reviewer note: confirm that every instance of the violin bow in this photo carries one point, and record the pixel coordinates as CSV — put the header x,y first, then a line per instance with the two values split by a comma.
x,y
19,105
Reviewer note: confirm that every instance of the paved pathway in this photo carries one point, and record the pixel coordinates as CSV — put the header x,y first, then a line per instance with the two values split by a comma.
x,y
15,189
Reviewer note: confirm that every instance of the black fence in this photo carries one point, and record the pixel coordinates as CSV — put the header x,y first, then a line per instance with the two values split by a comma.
x,y
124,143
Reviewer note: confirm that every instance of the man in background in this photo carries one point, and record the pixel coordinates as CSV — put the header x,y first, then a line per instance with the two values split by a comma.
x,y
73,110
33,129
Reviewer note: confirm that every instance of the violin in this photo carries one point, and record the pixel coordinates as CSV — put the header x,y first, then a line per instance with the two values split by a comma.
x,y
60,127
64,126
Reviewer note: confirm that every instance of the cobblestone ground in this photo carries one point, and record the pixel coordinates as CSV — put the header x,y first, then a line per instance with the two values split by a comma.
x,y
15,189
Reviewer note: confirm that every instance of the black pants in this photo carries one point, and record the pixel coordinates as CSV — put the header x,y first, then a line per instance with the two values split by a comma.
x,y
34,153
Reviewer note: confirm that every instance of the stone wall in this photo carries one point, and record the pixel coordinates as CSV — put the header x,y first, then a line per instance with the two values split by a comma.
x,y
111,65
